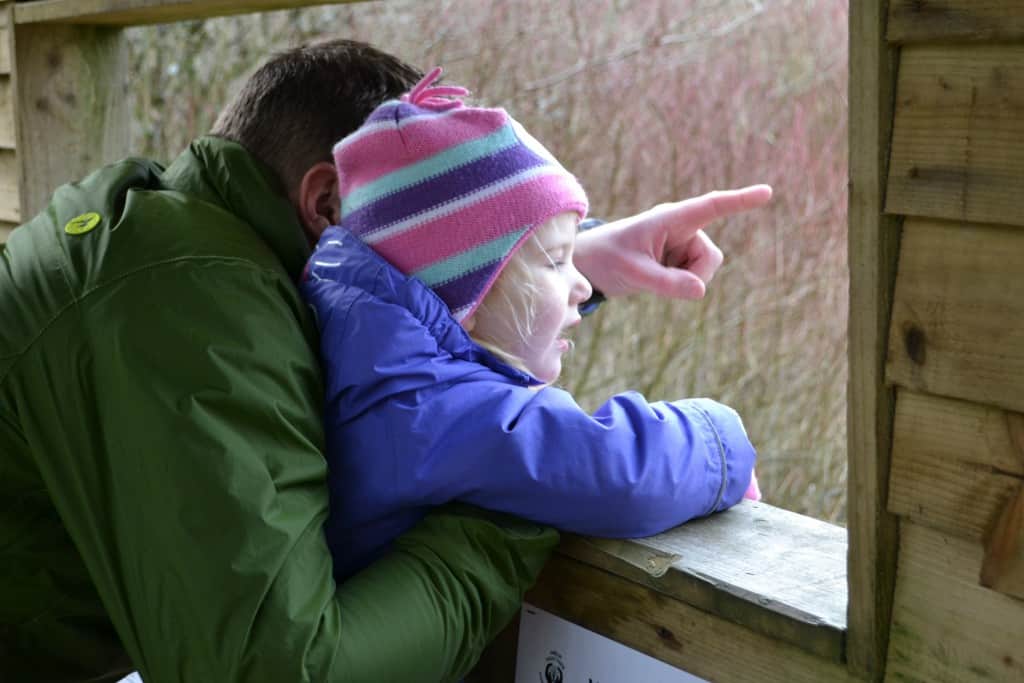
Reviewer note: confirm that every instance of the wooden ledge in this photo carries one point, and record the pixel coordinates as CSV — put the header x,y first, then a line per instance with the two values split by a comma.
x,y
752,595
775,572
135,12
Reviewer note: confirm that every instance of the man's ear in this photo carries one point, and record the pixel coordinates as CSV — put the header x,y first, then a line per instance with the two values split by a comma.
x,y
317,201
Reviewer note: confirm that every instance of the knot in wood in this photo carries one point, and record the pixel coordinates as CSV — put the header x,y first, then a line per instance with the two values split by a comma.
x,y
914,342
669,638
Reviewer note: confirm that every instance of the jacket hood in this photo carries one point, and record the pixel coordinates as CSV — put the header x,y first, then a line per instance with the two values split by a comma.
x,y
391,301
224,173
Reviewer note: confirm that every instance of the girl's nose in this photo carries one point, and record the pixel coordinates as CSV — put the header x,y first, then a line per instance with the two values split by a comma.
x,y
581,288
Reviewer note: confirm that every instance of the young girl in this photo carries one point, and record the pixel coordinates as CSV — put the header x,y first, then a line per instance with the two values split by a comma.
x,y
443,300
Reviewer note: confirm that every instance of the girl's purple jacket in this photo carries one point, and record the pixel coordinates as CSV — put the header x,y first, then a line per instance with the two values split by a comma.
x,y
418,415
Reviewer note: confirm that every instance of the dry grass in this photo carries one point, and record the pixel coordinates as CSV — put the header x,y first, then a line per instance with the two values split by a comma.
x,y
647,101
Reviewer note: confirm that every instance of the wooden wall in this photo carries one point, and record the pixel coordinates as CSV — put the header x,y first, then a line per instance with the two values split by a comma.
x,y
873,245
955,352
10,203
58,119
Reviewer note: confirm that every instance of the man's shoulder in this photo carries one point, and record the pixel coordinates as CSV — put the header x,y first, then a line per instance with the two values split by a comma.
x,y
111,227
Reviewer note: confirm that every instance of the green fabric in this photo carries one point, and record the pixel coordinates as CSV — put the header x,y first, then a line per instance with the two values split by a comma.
x,y
162,484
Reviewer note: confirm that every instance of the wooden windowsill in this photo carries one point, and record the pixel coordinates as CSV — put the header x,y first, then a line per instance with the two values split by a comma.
x,y
752,583
771,570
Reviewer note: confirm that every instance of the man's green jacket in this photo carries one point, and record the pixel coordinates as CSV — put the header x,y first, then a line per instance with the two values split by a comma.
x,y
162,484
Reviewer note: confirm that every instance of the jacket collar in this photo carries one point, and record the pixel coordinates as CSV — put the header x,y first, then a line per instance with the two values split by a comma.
x,y
224,173
365,270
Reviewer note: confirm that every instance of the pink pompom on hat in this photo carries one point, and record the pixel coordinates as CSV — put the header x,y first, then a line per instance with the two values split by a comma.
x,y
447,192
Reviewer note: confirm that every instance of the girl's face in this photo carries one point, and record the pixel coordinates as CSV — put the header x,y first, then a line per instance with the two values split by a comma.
x,y
557,291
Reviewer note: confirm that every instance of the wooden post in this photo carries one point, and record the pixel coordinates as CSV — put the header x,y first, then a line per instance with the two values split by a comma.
x,y
69,105
10,202
136,12
873,248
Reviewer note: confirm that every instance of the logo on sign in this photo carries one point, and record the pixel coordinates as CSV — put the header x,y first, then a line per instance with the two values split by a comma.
x,y
553,668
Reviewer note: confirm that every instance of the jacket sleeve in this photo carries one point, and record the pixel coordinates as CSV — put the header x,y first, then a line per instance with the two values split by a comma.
x,y
631,469
456,430
187,467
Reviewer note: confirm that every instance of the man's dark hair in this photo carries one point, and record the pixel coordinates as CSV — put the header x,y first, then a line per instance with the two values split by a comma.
x,y
295,107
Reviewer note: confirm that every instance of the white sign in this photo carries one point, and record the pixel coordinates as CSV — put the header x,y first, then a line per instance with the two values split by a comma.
x,y
553,650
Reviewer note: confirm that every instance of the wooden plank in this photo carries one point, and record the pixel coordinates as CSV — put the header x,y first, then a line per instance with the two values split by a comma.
x,y
672,631
5,48
72,113
955,465
133,12
958,141
947,628
913,21
7,127
1002,568
958,318
873,244
792,588
780,574
10,203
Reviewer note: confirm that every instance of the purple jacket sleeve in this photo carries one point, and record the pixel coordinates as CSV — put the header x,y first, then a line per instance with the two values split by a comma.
x,y
631,469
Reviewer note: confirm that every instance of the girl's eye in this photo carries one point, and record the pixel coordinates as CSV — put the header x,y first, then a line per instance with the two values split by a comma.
x,y
558,265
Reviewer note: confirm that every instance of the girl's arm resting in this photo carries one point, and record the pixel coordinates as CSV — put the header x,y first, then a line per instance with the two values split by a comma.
x,y
631,469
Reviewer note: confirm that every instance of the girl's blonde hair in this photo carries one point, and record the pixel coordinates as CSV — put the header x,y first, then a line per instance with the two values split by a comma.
x,y
513,296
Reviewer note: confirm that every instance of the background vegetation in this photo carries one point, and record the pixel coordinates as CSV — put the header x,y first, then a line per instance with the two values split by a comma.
x,y
646,101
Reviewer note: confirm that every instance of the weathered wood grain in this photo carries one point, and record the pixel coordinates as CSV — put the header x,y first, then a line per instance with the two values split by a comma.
x,y
1002,568
958,138
947,628
958,318
774,571
955,465
7,128
72,113
5,48
10,203
780,574
933,21
873,245
132,12
672,631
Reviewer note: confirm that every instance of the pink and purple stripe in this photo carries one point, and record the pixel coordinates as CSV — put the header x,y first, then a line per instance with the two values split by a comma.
x,y
448,193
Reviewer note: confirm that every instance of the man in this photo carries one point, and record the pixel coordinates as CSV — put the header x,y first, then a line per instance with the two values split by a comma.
x,y
161,471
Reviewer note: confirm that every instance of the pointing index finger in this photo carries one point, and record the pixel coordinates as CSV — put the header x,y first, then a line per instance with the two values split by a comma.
x,y
719,204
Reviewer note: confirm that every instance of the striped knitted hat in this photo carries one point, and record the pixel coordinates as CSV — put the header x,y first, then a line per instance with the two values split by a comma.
x,y
447,192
